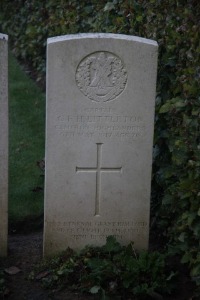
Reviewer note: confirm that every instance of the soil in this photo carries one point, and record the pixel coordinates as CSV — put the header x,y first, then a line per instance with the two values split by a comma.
x,y
25,250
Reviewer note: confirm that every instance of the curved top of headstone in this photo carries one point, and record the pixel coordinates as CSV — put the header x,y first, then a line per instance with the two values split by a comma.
x,y
3,36
100,35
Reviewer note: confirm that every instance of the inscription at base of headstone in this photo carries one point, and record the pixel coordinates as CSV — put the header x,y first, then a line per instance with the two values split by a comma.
x,y
3,143
99,136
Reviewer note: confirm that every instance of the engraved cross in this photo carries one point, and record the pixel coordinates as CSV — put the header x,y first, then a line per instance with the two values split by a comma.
x,y
98,170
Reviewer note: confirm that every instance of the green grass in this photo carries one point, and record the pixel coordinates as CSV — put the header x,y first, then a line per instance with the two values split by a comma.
x,y
26,140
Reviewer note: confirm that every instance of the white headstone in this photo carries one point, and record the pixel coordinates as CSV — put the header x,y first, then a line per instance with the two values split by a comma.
x,y
99,135
3,143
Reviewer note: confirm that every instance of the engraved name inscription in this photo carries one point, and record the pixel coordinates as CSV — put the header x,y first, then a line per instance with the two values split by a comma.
x,y
116,127
101,76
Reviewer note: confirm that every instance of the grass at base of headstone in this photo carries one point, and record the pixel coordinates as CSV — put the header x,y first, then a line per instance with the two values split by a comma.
x,y
26,147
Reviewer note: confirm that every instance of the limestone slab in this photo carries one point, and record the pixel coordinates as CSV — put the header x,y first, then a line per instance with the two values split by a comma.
x,y
99,135
3,143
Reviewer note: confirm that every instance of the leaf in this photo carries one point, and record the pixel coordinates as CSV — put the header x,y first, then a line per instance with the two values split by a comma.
x,y
42,275
186,258
109,6
112,245
198,213
139,18
195,271
180,104
165,108
12,270
95,289
172,274
181,237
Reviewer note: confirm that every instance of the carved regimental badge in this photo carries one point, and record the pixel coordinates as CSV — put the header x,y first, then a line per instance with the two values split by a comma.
x,y
101,76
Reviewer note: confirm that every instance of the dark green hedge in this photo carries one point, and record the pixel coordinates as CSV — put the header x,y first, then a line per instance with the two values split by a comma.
x,y
176,26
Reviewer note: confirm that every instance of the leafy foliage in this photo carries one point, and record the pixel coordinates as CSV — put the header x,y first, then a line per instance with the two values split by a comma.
x,y
110,271
175,25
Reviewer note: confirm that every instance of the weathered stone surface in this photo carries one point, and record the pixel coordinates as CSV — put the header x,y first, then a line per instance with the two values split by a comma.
x,y
99,133
3,143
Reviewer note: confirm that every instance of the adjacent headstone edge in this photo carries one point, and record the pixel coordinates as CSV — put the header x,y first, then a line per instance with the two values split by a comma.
x,y
4,150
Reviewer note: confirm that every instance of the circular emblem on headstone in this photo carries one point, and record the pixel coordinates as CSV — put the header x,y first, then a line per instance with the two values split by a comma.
x,y
101,76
